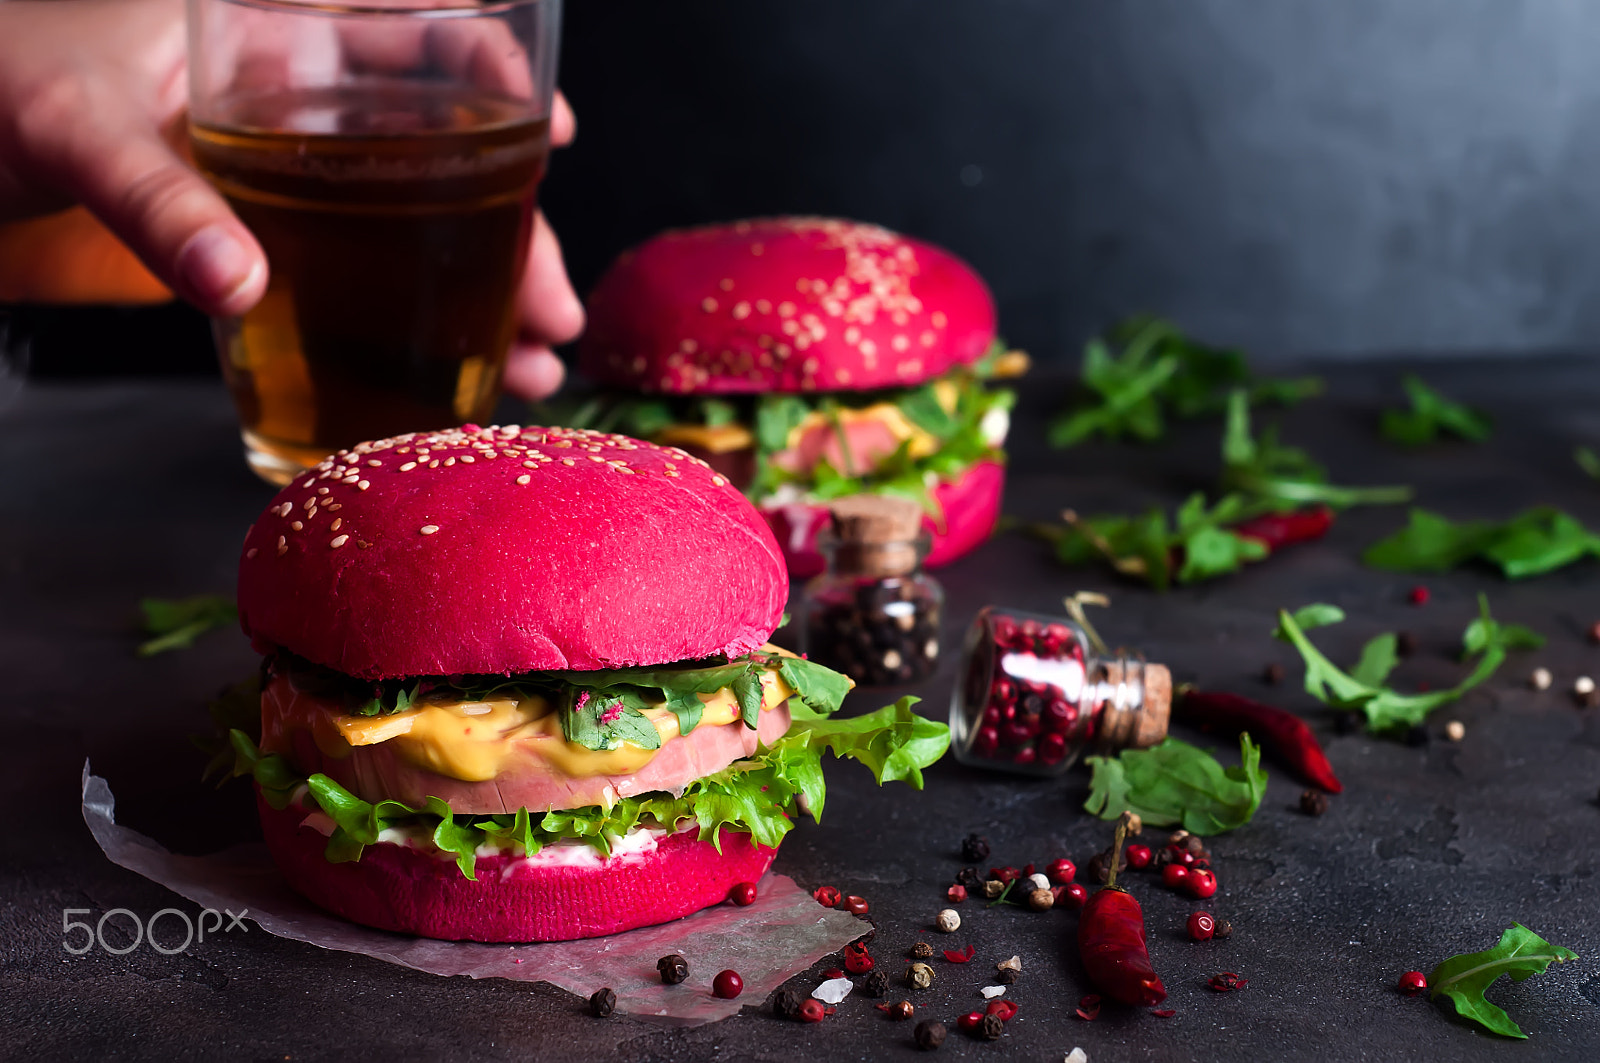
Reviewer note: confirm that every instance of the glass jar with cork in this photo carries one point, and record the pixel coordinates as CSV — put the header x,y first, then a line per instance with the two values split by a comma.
x,y
1034,693
874,615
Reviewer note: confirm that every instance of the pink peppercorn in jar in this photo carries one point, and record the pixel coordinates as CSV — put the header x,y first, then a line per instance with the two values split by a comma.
x,y
1031,697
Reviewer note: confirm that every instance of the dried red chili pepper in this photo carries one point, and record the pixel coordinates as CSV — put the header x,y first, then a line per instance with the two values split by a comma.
x,y
1111,941
1089,1007
856,958
1283,734
1277,530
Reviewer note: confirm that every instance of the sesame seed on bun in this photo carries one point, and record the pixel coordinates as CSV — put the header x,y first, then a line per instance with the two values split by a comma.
x,y
784,304
505,549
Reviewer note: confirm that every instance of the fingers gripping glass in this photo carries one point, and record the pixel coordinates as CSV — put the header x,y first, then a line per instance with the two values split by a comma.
x,y
386,156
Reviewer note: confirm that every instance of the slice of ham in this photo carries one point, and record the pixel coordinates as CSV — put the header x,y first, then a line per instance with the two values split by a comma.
x,y
292,721
870,441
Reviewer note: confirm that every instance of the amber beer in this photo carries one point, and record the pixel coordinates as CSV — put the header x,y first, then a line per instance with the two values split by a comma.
x,y
395,219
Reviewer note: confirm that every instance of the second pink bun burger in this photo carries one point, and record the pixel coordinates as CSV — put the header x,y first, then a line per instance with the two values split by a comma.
x,y
807,359
517,686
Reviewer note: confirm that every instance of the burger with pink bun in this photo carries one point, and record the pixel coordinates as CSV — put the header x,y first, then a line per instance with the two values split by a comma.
x,y
517,687
807,359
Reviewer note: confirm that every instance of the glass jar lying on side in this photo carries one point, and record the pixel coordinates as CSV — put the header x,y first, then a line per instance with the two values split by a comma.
x,y
1032,697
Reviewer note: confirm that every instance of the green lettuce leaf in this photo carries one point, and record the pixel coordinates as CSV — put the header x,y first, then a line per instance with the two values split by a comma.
x,y
1520,953
1176,783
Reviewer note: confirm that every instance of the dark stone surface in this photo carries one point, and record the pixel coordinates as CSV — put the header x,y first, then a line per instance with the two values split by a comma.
x,y
115,492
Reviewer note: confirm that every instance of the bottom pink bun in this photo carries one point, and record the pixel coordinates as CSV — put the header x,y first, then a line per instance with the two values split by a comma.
x,y
971,506
394,887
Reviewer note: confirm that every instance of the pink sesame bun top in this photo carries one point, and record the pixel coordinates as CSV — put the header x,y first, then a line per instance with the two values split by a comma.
x,y
784,304
500,550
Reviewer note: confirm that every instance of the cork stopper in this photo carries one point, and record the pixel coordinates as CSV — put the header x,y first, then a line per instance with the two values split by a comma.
x,y
1141,725
875,535
875,519
1151,727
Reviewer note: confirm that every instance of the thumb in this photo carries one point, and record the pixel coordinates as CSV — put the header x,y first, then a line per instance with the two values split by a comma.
x,y
114,161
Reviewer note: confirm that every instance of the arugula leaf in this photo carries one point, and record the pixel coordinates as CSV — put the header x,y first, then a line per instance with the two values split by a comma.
x,y
1176,783
1263,470
175,624
1379,657
605,720
1520,953
821,688
1430,414
1534,542
1156,372
1386,710
1145,547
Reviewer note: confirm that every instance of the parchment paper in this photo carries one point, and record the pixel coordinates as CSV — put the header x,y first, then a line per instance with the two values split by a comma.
x,y
782,933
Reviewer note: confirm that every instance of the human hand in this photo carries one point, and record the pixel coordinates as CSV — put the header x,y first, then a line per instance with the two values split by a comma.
x,y
92,97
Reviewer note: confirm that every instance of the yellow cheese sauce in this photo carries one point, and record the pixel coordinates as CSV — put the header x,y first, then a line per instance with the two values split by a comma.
x,y
474,740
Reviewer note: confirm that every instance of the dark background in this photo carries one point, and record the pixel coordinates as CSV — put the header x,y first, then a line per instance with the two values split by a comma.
x,y
1297,176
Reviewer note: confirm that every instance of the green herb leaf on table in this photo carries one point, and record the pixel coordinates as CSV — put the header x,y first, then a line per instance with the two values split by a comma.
x,y
1146,370
1265,471
1520,953
1430,415
175,624
1588,461
1362,690
1534,542
1177,783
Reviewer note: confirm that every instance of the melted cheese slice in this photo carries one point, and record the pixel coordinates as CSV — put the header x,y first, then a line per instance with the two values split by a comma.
x,y
718,439
474,740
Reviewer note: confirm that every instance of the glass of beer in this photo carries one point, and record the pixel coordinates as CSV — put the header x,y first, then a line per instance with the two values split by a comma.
x,y
386,155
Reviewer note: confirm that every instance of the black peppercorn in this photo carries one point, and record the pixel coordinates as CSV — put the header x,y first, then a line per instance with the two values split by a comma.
x,y
1007,976
974,848
991,1027
786,1004
674,969
1272,674
1313,802
1405,644
1100,866
922,951
1224,929
1417,736
876,983
603,1003
969,878
929,1035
